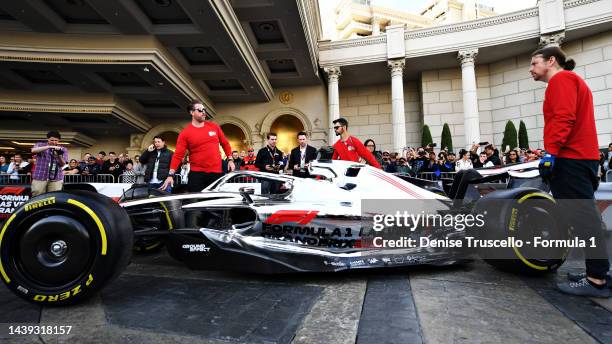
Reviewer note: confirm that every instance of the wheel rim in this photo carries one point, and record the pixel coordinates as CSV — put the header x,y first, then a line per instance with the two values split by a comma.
x,y
538,220
54,250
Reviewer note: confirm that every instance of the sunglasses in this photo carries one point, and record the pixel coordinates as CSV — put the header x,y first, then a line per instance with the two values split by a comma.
x,y
251,151
200,110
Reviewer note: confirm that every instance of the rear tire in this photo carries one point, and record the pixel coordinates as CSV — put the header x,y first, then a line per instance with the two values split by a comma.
x,y
61,248
522,214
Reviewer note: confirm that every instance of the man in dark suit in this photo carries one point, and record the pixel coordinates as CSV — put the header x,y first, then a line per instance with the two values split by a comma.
x,y
301,156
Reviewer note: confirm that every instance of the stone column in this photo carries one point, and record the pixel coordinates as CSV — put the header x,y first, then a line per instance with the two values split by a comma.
x,y
470,96
375,26
333,74
552,39
397,104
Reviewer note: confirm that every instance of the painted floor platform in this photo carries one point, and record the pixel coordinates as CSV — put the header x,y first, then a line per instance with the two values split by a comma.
x,y
157,300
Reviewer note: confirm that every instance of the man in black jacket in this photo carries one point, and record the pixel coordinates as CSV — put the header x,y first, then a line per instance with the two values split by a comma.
x,y
301,156
238,162
269,158
112,166
157,158
493,155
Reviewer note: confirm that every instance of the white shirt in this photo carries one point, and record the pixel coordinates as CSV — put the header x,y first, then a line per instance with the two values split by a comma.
x,y
13,171
463,165
185,173
302,156
154,177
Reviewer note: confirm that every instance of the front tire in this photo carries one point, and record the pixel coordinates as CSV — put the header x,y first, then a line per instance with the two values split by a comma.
x,y
61,248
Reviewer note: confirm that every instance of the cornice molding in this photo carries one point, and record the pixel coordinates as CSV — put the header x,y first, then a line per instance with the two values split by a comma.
x,y
351,61
311,23
598,17
438,30
49,48
227,17
72,137
351,43
576,3
109,106
473,24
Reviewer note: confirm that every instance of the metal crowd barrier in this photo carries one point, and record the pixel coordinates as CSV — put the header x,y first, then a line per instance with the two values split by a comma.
x,y
433,176
609,176
20,179
127,178
98,178
24,179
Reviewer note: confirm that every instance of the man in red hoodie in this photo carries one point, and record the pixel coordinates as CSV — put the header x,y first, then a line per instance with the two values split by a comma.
x,y
571,162
349,147
202,138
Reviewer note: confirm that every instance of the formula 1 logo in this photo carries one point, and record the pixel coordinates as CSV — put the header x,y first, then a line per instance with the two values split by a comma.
x,y
301,217
11,190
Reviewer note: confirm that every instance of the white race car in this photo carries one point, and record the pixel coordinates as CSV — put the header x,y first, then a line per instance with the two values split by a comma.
x,y
62,247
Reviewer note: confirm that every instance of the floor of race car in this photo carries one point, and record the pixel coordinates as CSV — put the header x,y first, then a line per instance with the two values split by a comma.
x,y
157,300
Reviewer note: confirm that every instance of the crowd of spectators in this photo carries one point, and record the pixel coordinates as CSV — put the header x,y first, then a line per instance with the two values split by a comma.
x,y
416,160
413,160
605,162
16,166
122,167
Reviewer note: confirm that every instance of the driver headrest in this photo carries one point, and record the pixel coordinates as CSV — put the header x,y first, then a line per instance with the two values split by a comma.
x,y
325,154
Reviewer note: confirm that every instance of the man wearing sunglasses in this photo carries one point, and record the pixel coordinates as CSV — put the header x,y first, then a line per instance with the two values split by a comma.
x,y
349,147
249,161
202,138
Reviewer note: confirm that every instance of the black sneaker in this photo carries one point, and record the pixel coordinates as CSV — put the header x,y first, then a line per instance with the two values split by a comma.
x,y
583,288
577,276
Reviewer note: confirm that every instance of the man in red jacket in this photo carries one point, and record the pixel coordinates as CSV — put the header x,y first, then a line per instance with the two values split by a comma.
x,y
571,162
349,147
202,138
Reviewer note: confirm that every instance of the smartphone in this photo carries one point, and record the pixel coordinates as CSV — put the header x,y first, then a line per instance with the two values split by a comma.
x,y
483,143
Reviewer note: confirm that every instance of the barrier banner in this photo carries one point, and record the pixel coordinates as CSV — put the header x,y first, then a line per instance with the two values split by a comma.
x,y
11,197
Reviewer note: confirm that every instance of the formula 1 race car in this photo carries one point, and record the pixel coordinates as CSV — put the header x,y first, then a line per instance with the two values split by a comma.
x,y
62,247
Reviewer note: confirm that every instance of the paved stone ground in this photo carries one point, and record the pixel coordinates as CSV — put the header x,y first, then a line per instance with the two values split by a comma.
x,y
158,300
